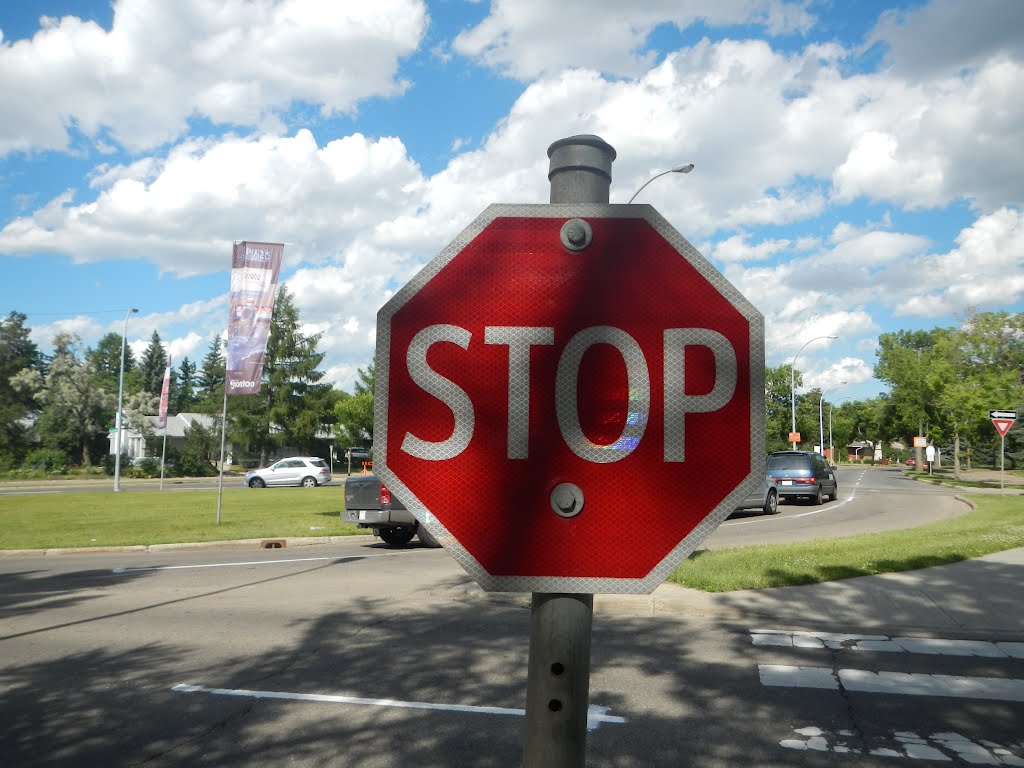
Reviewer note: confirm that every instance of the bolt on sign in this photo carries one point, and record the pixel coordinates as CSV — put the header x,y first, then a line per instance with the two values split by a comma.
x,y
570,398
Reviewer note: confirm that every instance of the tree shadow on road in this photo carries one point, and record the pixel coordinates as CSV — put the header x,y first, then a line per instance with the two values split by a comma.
x,y
686,684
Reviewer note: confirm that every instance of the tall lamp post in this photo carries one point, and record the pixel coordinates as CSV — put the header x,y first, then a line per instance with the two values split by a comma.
x,y
821,426
678,169
120,400
792,383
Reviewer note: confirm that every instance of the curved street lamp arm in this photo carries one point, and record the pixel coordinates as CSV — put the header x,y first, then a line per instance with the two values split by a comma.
x,y
678,169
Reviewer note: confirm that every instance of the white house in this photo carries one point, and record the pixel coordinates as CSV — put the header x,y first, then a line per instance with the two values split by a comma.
x,y
133,443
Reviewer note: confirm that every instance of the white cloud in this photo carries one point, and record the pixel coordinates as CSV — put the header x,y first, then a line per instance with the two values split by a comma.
x,y
925,144
778,139
942,36
848,371
984,271
191,345
183,212
528,38
232,62
738,248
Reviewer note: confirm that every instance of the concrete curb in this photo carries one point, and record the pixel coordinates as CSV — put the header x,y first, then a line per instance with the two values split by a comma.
x,y
298,541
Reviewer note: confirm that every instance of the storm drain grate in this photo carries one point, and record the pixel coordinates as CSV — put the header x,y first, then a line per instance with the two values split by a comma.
x,y
272,544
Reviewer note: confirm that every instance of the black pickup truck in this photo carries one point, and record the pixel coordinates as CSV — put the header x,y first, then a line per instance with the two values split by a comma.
x,y
369,504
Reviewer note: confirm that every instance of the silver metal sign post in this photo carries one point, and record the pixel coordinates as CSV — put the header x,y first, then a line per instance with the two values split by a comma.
x,y
558,675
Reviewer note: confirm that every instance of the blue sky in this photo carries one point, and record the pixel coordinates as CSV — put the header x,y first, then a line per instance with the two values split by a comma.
x,y
858,165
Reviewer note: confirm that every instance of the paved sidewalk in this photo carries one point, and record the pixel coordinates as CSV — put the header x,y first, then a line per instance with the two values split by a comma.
x,y
980,597
1011,484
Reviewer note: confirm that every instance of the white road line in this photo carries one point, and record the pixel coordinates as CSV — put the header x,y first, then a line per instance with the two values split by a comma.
x,y
901,683
595,716
884,644
780,518
250,562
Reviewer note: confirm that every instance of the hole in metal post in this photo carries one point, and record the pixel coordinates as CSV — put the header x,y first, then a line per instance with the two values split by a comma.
x,y
557,668
555,705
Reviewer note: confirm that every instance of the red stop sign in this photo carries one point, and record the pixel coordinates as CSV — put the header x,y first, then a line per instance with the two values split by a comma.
x,y
570,398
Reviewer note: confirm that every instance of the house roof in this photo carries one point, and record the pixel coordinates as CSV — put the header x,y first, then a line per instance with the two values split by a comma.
x,y
179,423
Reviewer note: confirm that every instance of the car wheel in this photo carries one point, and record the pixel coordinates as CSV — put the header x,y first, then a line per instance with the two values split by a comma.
x,y
835,493
427,538
819,497
397,536
309,482
257,483
771,504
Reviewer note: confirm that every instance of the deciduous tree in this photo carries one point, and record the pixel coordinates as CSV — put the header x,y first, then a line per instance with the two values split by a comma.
x,y
70,390
354,413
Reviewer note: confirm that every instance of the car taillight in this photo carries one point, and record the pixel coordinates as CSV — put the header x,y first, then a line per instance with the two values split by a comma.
x,y
804,480
385,494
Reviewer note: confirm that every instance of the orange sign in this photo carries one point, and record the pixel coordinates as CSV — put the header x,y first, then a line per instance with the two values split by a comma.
x,y
794,437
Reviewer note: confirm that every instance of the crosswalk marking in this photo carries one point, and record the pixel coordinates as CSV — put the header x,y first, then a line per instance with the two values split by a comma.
x,y
901,683
936,747
884,644
848,646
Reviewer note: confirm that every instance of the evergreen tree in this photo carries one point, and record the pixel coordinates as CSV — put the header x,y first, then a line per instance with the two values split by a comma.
x,y
210,379
293,405
153,365
183,387
106,357
17,352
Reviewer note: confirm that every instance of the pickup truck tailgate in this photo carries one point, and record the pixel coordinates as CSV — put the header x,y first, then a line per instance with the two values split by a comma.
x,y
363,504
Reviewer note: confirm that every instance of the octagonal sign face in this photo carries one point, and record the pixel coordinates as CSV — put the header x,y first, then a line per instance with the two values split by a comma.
x,y
570,398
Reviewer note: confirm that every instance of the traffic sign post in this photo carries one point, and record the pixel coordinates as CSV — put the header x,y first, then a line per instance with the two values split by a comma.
x,y
1002,421
557,374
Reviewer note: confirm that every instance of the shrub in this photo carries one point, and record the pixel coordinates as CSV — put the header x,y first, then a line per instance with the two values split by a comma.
x,y
109,461
149,467
48,460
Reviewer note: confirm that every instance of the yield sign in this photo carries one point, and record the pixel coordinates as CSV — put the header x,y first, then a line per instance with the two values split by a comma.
x,y
570,398
1002,426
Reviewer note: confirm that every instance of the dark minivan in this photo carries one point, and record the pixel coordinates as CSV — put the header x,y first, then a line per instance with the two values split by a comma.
x,y
802,474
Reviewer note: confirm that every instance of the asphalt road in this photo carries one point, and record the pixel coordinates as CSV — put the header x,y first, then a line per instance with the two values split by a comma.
x,y
356,655
870,499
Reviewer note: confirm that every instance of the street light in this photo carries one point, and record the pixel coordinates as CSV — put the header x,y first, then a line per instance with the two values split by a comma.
x,y
821,426
120,399
678,169
792,383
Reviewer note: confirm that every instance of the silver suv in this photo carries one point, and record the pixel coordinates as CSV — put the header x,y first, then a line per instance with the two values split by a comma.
x,y
802,474
307,471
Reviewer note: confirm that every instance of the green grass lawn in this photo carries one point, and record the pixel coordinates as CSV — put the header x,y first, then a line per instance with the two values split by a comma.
x,y
996,524
105,518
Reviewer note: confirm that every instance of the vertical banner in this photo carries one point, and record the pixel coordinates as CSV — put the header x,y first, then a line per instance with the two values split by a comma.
x,y
254,268
165,396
